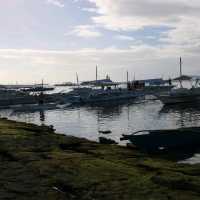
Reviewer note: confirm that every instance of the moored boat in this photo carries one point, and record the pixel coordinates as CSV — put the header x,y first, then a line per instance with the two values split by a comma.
x,y
181,94
165,139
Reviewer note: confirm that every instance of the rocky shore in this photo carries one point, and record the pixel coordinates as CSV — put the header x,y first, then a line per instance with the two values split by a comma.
x,y
36,163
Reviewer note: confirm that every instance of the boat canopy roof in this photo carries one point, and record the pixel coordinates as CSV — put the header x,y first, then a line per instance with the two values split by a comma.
x,y
196,77
155,81
187,78
102,82
106,84
183,78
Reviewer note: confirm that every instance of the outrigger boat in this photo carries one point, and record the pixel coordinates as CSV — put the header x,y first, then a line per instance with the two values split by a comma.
x,y
38,88
104,93
182,94
154,140
105,90
10,97
98,91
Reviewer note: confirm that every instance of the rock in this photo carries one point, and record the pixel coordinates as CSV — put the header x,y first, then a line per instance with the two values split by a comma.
x,y
103,140
131,146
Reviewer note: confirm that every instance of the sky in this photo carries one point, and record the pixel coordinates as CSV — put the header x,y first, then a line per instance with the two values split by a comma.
x,y
54,39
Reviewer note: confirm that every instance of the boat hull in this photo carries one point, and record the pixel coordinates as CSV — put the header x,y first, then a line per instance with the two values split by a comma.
x,y
108,98
166,139
178,99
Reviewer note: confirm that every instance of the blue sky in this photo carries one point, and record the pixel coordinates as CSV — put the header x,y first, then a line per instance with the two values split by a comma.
x,y
54,39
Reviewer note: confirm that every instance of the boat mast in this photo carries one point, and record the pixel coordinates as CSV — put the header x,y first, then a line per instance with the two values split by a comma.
x,y
181,72
96,73
77,79
127,79
180,66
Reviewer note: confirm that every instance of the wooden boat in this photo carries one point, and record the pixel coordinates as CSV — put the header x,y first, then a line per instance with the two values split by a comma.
x,y
182,95
165,139
38,89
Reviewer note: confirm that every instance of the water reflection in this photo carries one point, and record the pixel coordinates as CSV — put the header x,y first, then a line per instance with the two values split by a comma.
x,y
181,107
42,116
184,114
109,109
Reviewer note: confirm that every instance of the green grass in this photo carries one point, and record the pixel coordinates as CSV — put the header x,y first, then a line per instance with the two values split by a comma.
x,y
37,164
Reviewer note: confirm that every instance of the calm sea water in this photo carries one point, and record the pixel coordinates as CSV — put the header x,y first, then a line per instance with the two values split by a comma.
x,y
87,121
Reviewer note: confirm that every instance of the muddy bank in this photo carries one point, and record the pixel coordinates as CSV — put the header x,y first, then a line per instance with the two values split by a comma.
x,y
36,163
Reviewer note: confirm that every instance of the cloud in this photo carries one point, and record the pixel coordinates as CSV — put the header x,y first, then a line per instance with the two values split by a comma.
x,y
185,34
124,37
181,17
153,58
61,65
134,14
91,10
85,31
57,3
